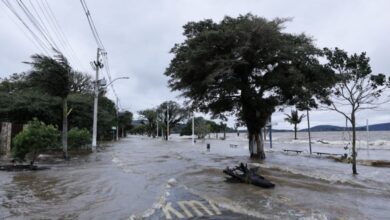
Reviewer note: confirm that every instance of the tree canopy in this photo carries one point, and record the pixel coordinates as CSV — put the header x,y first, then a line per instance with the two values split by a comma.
x,y
149,117
174,111
246,66
24,96
124,122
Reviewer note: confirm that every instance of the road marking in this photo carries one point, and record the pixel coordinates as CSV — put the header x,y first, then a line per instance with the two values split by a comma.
x,y
168,209
191,205
215,208
195,207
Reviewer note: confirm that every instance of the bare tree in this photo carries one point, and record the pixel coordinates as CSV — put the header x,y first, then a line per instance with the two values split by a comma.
x,y
356,89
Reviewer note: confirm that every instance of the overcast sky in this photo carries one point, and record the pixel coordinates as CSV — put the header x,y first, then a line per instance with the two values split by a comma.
x,y
139,34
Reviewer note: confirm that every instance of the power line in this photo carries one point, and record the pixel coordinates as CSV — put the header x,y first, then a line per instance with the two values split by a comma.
x,y
41,23
33,34
92,25
51,23
23,30
46,8
46,24
39,17
37,25
100,44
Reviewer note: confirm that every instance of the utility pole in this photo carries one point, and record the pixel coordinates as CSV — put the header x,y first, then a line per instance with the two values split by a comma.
x,y
97,65
368,133
167,121
193,128
117,119
157,124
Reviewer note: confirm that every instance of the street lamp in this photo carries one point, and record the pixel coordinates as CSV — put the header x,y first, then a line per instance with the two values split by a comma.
x,y
193,128
100,83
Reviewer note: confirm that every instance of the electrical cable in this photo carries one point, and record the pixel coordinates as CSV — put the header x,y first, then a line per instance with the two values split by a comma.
x,y
42,44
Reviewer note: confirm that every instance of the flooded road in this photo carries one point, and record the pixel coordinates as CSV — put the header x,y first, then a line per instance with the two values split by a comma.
x,y
140,177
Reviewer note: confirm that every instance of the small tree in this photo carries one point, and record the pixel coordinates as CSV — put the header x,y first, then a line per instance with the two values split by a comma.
x,y
201,127
53,75
149,117
357,88
214,128
139,129
294,118
124,122
34,139
79,137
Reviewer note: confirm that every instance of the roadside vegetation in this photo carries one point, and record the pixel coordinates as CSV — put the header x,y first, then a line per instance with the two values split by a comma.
x,y
33,140
53,94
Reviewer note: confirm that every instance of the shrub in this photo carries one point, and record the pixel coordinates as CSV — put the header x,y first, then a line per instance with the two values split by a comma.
x,y
78,138
34,139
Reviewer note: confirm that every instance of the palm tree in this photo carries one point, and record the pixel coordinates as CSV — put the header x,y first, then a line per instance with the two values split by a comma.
x,y
53,76
294,119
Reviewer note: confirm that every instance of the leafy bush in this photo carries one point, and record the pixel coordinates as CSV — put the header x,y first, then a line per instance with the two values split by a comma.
x,y
34,139
78,138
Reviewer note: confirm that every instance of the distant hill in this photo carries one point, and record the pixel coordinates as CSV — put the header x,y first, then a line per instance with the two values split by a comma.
x,y
379,127
375,127
282,130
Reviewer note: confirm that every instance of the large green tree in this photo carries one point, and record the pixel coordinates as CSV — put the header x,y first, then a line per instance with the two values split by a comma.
x,y
124,122
53,75
81,83
357,88
214,128
245,66
149,120
201,127
171,113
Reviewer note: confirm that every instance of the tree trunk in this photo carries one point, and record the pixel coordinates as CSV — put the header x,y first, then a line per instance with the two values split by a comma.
x,y
353,122
65,127
34,157
308,129
256,145
295,131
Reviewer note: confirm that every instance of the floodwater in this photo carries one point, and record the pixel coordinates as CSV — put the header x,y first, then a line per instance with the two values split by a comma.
x,y
145,178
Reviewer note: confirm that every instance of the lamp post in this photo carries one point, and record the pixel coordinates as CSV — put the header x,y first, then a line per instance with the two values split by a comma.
x,y
193,128
99,83
157,124
167,121
117,119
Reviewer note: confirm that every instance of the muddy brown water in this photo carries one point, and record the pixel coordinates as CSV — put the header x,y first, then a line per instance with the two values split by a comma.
x,y
146,178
